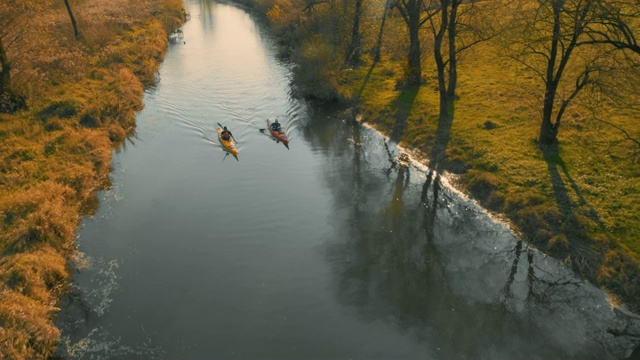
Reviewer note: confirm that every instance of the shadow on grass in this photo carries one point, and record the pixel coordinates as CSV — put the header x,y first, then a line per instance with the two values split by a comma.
x,y
438,154
600,260
403,105
366,78
580,245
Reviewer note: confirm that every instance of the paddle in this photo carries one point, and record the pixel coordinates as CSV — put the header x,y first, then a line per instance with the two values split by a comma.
x,y
262,130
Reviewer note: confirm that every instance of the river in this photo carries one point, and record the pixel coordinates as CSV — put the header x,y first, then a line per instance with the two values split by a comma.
x,y
329,249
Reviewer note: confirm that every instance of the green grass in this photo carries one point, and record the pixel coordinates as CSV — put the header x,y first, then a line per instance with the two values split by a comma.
x,y
585,195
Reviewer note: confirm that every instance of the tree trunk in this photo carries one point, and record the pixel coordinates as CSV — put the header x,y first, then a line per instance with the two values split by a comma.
x,y
548,131
73,20
5,77
353,53
411,11
437,55
414,74
376,56
453,60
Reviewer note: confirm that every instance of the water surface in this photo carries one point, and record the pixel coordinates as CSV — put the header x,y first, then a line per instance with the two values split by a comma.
x,y
332,249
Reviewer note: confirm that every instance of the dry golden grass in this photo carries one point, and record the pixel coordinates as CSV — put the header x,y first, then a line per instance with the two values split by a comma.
x,y
82,98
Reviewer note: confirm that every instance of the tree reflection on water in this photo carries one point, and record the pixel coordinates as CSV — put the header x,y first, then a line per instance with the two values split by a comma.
x,y
425,260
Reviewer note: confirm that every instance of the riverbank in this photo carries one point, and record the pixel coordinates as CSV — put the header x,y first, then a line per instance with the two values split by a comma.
x,y
81,100
577,201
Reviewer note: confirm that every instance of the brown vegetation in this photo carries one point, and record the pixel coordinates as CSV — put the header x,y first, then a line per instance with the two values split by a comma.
x,y
81,99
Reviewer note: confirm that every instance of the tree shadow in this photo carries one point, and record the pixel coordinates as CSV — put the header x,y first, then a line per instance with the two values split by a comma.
x,y
403,105
367,77
580,245
404,255
430,205
206,13
438,154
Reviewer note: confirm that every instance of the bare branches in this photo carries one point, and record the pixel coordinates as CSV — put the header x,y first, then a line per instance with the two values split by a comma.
x,y
625,133
554,32
411,12
609,26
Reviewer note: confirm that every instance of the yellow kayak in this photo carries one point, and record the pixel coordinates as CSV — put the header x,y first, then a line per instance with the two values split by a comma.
x,y
229,145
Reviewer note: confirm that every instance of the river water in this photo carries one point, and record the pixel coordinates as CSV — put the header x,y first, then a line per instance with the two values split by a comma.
x,y
332,249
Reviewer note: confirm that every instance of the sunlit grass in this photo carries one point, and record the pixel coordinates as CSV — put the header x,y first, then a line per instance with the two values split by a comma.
x,y
585,195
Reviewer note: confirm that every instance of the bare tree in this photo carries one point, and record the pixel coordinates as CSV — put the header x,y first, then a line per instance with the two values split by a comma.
x,y
376,56
411,12
456,25
352,57
562,41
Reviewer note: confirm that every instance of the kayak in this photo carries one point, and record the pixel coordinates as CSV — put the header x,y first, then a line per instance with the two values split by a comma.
x,y
229,145
279,135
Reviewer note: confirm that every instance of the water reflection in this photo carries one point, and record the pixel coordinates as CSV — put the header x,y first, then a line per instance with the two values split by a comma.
x,y
206,14
416,255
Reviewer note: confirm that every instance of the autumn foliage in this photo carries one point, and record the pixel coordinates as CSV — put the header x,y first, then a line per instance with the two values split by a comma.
x,y
81,98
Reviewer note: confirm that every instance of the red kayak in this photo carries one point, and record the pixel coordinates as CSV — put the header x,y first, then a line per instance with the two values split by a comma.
x,y
279,134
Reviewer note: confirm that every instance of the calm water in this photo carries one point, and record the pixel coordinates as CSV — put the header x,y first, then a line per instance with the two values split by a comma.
x,y
329,250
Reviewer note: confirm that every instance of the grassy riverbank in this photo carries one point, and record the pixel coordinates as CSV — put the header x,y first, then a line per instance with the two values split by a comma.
x,y
578,201
82,97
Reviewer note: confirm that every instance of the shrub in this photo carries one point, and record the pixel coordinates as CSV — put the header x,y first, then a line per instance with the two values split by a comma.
x,y
315,74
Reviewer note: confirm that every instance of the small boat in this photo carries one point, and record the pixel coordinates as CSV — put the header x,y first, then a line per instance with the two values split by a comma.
x,y
279,134
229,145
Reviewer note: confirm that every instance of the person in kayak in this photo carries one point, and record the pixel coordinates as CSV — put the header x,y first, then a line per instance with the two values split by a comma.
x,y
226,134
275,126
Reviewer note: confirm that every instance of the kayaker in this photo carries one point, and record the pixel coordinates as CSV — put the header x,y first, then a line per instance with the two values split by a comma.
x,y
275,126
226,134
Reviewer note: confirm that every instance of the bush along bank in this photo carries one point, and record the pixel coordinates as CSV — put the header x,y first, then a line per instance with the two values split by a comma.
x,y
80,96
577,200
